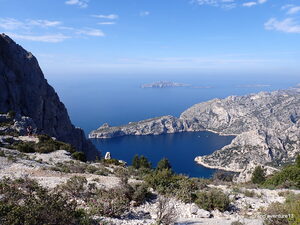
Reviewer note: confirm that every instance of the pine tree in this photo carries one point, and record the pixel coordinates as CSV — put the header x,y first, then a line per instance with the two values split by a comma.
x,y
136,162
144,163
258,175
163,164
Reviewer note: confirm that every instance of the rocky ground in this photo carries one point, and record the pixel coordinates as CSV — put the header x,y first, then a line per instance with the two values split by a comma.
x,y
42,168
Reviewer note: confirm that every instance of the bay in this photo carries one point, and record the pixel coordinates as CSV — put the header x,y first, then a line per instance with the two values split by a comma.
x,y
94,99
179,148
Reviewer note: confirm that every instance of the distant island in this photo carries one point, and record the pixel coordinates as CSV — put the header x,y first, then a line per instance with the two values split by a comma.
x,y
164,84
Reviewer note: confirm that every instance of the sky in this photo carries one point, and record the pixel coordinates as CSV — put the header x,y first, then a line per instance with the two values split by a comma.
x,y
157,36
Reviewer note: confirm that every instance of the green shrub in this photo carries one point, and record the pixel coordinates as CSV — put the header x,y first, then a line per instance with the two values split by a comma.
x,y
144,163
258,175
164,164
250,194
223,176
76,187
237,223
45,145
213,199
140,194
26,147
284,213
140,162
79,156
23,201
287,177
293,207
163,181
186,190
136,162
11,114
112,162
109,203
2,154
297,162
273,214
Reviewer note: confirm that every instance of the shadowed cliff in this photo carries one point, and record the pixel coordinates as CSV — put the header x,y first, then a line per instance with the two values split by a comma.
x,y
24,89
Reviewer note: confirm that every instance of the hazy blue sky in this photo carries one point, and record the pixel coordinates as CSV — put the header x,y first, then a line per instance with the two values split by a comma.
x,y
145,36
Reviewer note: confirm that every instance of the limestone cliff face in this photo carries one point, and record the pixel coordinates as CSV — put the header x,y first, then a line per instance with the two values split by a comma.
x,y
24,90
267,126
154,126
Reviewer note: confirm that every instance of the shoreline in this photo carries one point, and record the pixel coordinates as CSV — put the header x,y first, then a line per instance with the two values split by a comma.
x,y
199,161
208,130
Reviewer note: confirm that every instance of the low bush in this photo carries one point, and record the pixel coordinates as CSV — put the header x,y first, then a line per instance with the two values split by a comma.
x,y
11,114
250,194
26,147
76,188
284,213
258,175
112,162
237,223
79,156
140,162
78,167
223,176
186,190
163,181
286,178
140,194
2,154
110,203
45,145
164,164
212,199
23,201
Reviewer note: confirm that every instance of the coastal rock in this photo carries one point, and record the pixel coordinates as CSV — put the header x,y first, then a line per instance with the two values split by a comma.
x,y
25,91
266,126
154,126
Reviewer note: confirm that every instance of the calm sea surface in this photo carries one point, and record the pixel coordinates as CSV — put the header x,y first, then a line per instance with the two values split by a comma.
x,y
118,99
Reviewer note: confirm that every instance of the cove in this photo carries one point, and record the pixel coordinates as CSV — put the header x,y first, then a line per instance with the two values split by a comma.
x,y
179,148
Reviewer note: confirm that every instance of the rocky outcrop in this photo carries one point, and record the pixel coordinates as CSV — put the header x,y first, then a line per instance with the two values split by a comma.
x,y
154,126
266,126
25,91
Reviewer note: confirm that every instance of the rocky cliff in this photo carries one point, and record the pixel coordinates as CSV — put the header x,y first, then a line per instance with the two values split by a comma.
x,y
154,126
266,125
24,90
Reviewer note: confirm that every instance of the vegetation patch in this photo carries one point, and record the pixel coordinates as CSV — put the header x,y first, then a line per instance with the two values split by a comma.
x,y
288,177
45,145
23,201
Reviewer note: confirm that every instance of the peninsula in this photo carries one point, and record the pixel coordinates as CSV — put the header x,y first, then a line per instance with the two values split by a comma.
x,y
266,126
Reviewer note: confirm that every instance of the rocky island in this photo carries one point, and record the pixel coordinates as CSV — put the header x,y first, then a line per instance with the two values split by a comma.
x,y
266,126
164,84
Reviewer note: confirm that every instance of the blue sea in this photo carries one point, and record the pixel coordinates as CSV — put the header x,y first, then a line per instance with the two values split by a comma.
x,y
92,100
